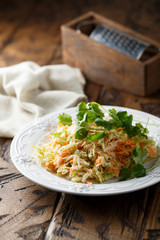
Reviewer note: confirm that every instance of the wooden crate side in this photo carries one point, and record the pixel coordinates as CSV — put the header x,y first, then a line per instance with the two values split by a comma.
x,y
152,72
102,64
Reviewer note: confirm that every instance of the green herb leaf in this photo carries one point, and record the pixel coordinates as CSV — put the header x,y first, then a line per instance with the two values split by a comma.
x,y
96,136
83,124
81,133
103,123
80,115
86,114
122,119
116,122
138,170
122,115
91,116
65,119
96,109
139,154
82,107
125,174
126,122
81,110
113,114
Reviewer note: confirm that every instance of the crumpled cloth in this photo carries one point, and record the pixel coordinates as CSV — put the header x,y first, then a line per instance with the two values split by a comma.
x,y
28,91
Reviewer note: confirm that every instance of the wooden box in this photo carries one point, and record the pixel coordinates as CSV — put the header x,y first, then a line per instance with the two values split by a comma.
x,y
104,65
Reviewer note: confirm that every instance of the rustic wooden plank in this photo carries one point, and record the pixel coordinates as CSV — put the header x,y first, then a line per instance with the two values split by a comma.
x,y
25,207
112,217
151,229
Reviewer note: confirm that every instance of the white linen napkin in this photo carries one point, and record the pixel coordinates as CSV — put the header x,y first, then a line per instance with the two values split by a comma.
x,y
28,91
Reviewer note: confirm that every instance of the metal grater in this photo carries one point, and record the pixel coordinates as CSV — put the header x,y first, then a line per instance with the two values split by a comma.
x,y
118,40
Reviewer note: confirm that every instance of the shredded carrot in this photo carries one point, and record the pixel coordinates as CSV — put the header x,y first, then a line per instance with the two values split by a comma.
x,y
89,183
131,142
65,153
98,161
50,166
151,151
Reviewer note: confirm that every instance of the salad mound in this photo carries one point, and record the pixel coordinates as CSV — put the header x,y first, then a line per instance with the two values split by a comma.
x,y
94,147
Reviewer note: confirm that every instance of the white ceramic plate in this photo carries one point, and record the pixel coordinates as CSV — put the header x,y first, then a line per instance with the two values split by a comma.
x,y
22,152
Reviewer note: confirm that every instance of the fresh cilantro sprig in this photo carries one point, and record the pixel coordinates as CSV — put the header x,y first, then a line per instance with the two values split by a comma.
x,y
137,170
122,119
125,174
65,119
139,154
88,113
95,136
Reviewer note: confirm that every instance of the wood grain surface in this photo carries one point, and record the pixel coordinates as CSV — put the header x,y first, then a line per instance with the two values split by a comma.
x,y
30,31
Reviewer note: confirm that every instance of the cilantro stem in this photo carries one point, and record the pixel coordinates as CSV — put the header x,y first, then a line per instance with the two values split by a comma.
x,y
102,107
156,125
149,169
147,123
150,159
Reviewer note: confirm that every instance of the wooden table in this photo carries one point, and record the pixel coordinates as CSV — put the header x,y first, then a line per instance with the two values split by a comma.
x,y
31,31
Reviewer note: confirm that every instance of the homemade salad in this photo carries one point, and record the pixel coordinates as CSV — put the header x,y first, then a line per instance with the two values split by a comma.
x,y
95,148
